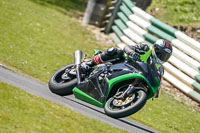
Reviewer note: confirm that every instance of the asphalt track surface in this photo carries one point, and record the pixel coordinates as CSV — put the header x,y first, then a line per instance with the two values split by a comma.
x,y
41,90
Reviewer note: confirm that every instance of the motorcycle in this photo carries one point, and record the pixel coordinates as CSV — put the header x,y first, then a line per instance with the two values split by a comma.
x,y
121,87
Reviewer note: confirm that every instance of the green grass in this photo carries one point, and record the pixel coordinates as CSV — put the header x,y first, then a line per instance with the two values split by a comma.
x,y
39,36
21,112
69,7
38,39
169,116
177,12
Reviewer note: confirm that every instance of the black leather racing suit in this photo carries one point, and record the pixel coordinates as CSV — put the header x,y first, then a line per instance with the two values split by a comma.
x,y
118,54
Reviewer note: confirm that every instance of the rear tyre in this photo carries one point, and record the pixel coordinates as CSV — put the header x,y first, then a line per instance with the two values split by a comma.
x,y
129,106
63,86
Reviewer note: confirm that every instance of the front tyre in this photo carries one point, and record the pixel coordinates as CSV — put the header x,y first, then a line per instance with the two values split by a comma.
x,y
63,80
122,108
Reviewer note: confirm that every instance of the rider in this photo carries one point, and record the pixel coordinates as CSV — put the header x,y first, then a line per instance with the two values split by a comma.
x,y
160,53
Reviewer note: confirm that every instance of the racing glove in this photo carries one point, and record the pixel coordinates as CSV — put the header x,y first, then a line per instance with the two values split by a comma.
x,y
135,56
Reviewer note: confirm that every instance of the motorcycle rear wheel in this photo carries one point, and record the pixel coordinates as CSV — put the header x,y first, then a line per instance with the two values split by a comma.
x,y
61,86
139,98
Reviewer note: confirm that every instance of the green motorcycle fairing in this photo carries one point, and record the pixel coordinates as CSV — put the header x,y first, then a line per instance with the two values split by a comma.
x,y
85,97
111,83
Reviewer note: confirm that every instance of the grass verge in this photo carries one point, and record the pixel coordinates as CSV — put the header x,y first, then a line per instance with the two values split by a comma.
x,y
21,112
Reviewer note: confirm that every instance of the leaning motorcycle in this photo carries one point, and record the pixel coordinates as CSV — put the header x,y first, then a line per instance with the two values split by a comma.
x,y
121,87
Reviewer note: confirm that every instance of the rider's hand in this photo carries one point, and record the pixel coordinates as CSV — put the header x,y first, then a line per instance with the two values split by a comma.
x,y
135,56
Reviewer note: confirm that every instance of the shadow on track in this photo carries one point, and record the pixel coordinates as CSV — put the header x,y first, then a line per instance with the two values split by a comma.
x,y
97,110
131,124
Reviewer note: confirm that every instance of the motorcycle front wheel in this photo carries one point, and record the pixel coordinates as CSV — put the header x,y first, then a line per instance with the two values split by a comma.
x,y
63,80
121,108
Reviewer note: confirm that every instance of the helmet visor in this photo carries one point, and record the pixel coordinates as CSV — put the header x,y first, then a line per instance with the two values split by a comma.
x,y
163,54
156,58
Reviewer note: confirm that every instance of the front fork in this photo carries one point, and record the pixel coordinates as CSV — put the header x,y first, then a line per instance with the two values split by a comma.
x,y
156,94
131,88
127,92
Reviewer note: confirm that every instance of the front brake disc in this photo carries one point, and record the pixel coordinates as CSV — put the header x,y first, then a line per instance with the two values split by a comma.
x,y
121,103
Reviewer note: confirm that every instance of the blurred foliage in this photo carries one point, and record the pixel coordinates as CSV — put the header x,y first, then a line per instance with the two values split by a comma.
x,y
175,12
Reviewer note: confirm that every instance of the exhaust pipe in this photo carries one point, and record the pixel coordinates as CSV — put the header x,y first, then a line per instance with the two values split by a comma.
x,y
77,63
77,57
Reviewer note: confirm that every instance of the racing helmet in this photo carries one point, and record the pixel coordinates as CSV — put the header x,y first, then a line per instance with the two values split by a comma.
x,y
162,50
